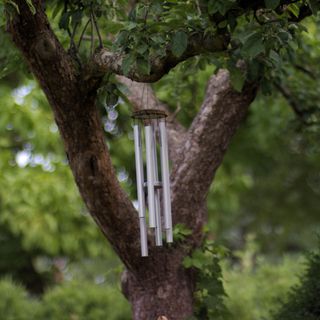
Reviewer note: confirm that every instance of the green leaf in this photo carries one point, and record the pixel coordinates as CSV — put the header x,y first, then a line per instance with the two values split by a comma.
x,y
122,38
31,6
253,45
223,24
180,231
284,36
237,78
113,26
76,17
212,7
294,9
131,25
275,58
271,4
144,66
188,262
142,48
56,10
127,63
13,4
64,21
179,43
221,6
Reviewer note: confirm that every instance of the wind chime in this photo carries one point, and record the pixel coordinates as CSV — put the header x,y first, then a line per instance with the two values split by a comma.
x,y
153,189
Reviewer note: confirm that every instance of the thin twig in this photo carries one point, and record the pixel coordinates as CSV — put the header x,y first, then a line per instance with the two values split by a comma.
x,y
92,35
198,7
88,38
291,101
82,33
72,43
306,71
97,28
73,48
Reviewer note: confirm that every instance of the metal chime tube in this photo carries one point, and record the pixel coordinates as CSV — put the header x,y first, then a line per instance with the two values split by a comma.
x,y
165,181
150,175
140,189
143,237
158,230
156,187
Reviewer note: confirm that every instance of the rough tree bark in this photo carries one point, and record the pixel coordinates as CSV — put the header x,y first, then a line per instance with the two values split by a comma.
x,y
158,285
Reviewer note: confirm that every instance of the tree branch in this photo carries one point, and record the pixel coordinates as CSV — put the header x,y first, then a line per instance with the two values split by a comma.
x,y
142,96
72,99
106,61
292,102
79,123
208,138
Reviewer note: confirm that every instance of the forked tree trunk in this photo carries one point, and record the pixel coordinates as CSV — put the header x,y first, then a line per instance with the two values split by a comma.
x,y
158,287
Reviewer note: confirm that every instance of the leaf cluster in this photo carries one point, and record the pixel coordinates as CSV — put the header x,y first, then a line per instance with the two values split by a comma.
x,y
72,300
303,299
209,294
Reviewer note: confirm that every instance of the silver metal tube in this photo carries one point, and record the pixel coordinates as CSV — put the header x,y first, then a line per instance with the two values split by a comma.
x,y
140,189
165,181
143,237
169,235
139,170
150,176
158,231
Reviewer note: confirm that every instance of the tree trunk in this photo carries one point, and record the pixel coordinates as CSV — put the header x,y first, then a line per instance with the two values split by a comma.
x,y
160,296
158,287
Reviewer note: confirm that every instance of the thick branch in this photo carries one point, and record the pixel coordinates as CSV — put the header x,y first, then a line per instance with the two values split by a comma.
x,y
208,138
79,124
302,112
106,61
291,100
142,96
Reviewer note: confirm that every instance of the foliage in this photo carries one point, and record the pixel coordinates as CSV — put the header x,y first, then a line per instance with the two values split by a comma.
x,y
284,183
265,37
10,57
209,294
30,153
259,187
72,300
255,284
303,300
180,232
52,222
14,302
84,301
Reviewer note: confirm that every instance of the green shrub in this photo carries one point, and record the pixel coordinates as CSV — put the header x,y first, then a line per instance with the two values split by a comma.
x,y
69,301
254,290
303,302
15,303
84,301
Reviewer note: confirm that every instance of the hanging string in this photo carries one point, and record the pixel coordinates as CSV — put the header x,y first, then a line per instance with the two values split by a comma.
x,y
147,97
142,94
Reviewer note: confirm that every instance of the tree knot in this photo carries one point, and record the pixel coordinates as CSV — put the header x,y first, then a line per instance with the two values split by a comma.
x,y
45,47
87,166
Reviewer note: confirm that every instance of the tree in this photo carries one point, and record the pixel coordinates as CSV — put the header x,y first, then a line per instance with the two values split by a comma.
x,y
302,302
250,39
32,227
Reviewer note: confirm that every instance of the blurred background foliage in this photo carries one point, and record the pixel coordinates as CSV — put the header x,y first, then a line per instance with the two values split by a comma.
x,y
263,205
